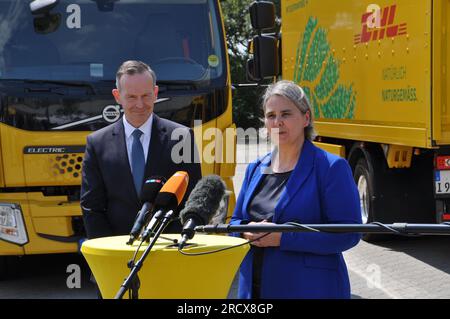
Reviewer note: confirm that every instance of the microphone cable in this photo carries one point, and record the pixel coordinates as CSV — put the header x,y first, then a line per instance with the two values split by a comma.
x,y
386,227
133,260
222,249
393,231
246,243
303,227
390,229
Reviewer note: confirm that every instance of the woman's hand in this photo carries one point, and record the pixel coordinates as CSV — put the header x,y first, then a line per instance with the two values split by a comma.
x,y
263,239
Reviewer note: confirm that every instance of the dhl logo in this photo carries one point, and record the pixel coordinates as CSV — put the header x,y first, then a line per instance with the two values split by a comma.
x,y
376,26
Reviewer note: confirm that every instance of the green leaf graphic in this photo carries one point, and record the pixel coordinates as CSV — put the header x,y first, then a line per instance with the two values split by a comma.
x,y
318,73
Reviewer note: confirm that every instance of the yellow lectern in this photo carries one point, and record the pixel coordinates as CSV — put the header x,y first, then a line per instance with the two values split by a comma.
x,y
166,273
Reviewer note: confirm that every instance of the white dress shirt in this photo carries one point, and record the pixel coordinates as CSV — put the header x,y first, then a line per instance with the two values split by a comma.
x,y
145,128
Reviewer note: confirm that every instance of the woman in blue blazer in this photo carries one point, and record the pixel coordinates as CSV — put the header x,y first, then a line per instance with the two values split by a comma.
x,y
301,183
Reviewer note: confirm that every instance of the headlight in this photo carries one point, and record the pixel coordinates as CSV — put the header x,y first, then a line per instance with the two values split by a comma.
x,y
12,225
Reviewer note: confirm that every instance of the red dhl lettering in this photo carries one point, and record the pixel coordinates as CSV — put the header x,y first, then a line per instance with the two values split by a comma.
x,y
443,162
386,29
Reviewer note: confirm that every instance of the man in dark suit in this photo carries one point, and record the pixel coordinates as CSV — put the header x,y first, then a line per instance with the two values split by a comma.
x,y
121,156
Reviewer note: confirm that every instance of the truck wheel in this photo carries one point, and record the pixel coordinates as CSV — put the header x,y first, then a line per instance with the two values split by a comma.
x,y
366,189
8,267
440,210
3,268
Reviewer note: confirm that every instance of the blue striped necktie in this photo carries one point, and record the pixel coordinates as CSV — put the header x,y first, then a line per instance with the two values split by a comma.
x,y
137,160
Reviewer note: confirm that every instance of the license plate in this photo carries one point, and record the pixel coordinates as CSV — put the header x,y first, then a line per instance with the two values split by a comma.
x,y
442,182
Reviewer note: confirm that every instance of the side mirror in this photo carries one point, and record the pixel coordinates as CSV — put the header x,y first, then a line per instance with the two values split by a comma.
x,y
262,15
42,6
47,24
250,71
265,58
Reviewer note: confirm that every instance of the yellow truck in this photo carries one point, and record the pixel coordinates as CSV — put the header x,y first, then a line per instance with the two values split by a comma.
x,y
58,60
376,74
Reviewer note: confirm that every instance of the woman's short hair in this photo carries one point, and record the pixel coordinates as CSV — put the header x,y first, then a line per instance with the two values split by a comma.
x,y
132,67
296,95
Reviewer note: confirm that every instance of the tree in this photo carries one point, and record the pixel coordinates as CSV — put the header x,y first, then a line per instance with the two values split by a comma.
x,y
247,111
246,106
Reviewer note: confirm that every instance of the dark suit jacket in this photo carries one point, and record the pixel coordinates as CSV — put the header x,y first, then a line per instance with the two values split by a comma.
x,y
109,200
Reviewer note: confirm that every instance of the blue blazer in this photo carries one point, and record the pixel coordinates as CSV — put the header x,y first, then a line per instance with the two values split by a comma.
x,y
320,190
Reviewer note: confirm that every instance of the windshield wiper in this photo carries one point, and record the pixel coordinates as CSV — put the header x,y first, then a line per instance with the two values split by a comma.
x,y
80,84
96,117
181,84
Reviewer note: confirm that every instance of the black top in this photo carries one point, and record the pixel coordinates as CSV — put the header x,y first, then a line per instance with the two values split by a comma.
x,y
262,207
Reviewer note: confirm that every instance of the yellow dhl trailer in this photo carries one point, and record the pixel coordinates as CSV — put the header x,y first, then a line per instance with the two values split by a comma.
x,y
376,74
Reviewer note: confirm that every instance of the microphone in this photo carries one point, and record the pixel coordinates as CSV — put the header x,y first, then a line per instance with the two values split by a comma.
x,y
201,205
168,198
149,192
172,193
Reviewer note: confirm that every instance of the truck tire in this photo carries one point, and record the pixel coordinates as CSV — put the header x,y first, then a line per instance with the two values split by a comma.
x,y
365,182
8,267
441,209
3,268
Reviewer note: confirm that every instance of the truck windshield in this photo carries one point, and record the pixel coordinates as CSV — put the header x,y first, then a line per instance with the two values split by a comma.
x,y
87,40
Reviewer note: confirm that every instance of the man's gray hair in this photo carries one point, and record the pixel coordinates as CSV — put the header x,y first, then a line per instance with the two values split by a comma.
x,y
134,67
296,95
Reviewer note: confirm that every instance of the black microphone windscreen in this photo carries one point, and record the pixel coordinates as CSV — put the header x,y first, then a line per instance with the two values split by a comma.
x,y
151,188
204,199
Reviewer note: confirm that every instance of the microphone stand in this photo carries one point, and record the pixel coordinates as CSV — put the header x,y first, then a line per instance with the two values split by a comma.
x,y
132,281
396,228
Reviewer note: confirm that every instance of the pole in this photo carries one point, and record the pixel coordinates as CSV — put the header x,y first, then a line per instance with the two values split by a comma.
x,y
136,267
397,228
